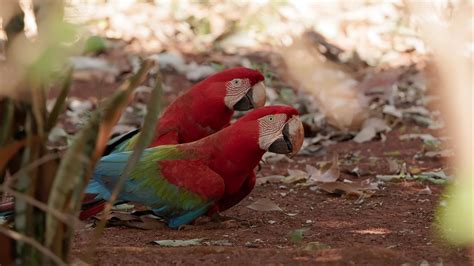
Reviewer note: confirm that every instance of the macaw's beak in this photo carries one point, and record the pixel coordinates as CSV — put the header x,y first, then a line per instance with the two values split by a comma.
x,y
291,140
254,98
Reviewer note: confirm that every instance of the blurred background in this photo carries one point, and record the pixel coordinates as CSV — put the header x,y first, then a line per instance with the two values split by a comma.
x,y
384,88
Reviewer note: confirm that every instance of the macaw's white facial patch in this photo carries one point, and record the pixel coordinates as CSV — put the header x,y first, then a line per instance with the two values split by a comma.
x,y
270,129
235,90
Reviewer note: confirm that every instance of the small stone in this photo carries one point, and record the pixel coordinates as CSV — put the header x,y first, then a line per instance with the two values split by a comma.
x,y
250,245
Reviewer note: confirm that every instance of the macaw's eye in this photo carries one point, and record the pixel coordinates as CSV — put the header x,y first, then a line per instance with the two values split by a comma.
x,y
271,118
236,82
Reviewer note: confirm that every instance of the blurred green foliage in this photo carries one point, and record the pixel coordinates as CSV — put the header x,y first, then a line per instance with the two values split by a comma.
x,y
47,189
296,236
456,214
95,44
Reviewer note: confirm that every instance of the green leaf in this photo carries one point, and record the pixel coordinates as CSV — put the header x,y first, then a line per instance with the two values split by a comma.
x,y
95,44
296,236
59,104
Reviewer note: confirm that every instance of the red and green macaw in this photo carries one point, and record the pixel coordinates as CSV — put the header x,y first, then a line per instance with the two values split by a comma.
x,y
204,109
184,181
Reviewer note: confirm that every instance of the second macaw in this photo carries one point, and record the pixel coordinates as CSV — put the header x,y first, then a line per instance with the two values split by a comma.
x,y
182,182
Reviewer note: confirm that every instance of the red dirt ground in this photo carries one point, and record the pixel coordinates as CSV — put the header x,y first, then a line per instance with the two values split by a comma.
x,y
392,227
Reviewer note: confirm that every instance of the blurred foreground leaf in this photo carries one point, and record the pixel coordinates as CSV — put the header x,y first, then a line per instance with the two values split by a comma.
x,y
60,100
154,107
95,44
78,162
456,219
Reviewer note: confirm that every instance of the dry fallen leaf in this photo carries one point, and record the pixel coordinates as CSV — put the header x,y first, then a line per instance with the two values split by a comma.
x,y
179,243
393,166
330,175
146,223
392,110
371,127
133,221
197,72
388,178
119,216
438,177
295,176
364,188
439,154
264,205
311,170
423,137
414,170
222,243
339,188
173,61
425,191
274,158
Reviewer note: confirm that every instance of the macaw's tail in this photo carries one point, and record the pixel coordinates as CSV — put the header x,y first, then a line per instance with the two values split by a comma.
x,y
91,206
6,211
6,206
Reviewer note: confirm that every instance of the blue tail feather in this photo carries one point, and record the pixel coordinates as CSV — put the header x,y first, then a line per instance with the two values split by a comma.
x,y
95,187
187,217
